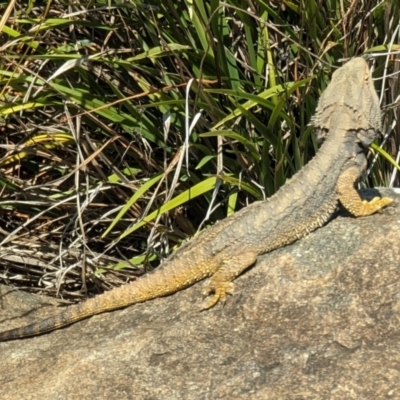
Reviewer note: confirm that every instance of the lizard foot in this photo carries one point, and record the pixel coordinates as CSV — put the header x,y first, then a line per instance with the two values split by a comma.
x,y
374,205
219,290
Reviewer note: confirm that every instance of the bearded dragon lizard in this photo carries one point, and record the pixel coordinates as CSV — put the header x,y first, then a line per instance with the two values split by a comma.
x,y
347,119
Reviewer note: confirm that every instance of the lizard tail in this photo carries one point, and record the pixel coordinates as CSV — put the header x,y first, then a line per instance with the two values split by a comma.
x,y
148,287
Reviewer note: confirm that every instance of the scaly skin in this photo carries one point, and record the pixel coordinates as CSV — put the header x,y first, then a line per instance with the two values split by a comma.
x,y
302,205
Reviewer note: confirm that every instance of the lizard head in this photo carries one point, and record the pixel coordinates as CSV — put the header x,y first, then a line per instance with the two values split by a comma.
x,y
349,104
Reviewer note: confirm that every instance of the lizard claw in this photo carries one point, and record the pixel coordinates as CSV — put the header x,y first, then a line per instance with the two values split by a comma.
x,y
376,204
384,200
219,292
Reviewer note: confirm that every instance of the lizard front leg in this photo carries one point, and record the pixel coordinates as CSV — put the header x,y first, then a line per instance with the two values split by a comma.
x,y
350,198
220,283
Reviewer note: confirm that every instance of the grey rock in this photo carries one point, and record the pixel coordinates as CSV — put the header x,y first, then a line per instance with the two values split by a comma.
x,y
319,319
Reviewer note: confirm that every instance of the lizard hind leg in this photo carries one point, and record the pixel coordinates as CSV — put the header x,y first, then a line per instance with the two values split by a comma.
x,y
350,198
220,284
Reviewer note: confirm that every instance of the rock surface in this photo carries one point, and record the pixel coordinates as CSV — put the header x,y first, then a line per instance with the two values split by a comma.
x,y
319,319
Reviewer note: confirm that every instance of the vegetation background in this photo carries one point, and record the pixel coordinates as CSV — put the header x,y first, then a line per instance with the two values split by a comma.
x,y
128,126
